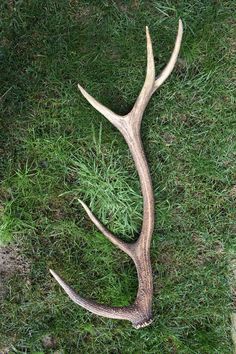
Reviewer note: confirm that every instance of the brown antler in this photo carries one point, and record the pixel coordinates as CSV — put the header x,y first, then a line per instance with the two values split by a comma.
x,y
140,313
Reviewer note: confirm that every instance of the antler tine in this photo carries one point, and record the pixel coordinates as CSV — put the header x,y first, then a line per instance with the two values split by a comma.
x,y
170,66
140,313
125,247
106,112
126,312
147,88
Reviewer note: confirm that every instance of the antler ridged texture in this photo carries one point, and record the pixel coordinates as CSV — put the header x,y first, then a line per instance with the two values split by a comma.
x,y
140,313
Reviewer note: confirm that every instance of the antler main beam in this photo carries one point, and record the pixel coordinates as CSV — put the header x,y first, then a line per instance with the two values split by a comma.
x,y
140,313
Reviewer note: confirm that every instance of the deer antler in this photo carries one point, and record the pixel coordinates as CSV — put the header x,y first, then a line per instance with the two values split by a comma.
x,y
140,313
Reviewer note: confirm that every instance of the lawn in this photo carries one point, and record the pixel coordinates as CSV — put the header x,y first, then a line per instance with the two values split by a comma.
x,y
55,148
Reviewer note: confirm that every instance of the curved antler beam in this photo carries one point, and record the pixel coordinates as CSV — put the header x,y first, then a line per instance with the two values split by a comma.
x,y
140,313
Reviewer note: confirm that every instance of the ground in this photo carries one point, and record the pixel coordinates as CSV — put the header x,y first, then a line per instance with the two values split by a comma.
x,y
55,149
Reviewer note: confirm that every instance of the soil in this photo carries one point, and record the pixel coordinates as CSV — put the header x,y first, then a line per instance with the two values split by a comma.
x,y
11,263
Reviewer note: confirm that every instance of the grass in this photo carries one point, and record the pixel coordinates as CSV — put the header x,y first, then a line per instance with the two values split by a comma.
x,y
56,148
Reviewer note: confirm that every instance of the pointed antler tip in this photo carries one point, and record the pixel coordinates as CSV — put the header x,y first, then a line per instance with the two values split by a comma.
x,y
51,271
82,90
81,202
180,24
58,279
56,276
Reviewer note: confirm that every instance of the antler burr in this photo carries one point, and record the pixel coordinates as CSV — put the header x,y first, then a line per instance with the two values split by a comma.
x,y
139,313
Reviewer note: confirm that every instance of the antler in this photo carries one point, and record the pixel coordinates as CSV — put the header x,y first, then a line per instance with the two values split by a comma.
x,y
140,313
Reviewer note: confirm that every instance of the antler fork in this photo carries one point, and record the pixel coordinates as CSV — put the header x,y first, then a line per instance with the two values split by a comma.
x,y
139,313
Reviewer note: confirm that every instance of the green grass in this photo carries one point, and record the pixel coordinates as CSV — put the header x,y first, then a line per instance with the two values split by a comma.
x,y
55,148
